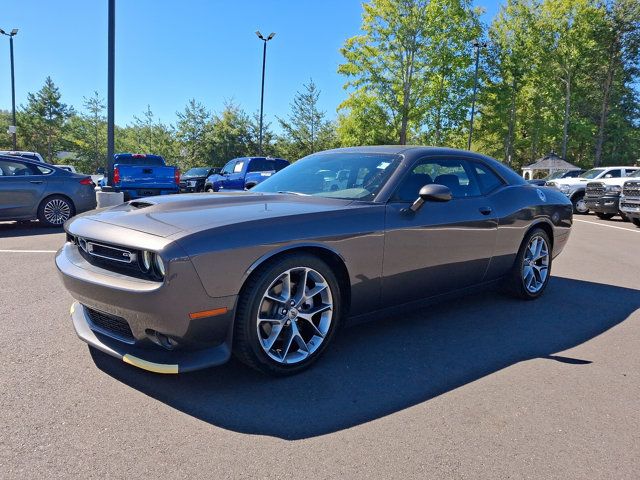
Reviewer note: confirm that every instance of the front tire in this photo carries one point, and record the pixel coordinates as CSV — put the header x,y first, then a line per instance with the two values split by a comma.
x,y
55,210
579,205
531,270
287,315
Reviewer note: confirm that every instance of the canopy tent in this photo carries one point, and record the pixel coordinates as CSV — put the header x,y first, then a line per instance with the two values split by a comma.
x,y
548,164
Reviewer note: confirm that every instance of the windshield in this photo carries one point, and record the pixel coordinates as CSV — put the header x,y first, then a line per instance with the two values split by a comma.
x,y
555,175
593,173
352,176
196,172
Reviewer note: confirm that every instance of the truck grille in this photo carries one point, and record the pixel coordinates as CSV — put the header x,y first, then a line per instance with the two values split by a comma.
x,y
595,189
631,189
110,325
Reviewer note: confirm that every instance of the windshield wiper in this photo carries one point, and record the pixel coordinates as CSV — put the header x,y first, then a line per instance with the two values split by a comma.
x,y
292,193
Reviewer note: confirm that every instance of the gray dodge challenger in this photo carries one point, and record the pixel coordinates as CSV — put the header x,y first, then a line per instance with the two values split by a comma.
x,y
178,283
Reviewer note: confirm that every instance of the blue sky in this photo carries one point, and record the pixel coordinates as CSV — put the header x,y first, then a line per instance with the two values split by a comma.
x,y
168,51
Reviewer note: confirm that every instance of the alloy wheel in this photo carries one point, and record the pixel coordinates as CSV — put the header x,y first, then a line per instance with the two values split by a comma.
x,y
57,211
295,315
535,266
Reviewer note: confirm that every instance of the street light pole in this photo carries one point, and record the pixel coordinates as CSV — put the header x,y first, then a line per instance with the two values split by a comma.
x,y
264,61
13,85
477,46
111,41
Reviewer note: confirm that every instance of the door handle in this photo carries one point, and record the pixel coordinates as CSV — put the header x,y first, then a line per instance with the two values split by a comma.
x,y
35,181
485,210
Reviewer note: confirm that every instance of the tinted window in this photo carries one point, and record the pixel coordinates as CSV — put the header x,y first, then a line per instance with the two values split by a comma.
x,y
14,169
261,165
455,174
151,160
487,180
42,170
196,172
631,171
613,173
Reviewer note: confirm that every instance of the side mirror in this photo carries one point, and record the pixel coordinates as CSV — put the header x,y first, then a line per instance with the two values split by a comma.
x,y
431,193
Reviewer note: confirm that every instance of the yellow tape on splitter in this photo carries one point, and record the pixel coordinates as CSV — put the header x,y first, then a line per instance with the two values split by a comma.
x,y
150,366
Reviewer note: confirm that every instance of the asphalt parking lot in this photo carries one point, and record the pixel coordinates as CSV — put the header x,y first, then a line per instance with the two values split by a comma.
x,y
486,387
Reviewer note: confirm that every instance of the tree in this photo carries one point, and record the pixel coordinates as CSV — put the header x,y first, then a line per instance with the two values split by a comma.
x,y
194,129
87,135
230,134
306,130
412,58
43,120
621,39
146,135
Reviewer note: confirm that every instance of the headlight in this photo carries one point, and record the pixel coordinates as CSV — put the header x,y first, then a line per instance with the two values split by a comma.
x,y
565,188
159,264
614,188
146,260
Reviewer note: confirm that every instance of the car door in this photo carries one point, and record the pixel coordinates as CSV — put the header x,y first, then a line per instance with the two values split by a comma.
x,y
21,188
444,246
235,179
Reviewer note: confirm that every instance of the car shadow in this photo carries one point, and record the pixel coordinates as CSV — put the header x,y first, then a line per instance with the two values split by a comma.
x,y
382,367
25,229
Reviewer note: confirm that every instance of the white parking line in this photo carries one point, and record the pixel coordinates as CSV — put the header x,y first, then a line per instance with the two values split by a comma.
x,y
610,226
27,251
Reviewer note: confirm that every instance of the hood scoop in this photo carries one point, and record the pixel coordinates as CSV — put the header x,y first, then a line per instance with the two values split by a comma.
x,y
140,204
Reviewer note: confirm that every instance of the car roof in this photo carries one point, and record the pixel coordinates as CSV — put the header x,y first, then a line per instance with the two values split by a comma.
x,y
13,158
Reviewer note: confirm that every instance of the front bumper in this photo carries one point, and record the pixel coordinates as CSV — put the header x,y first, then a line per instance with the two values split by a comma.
x,y
150,309
630,206
604,204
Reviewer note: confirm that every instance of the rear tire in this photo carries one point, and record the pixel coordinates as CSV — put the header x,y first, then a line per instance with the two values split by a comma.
x,y
55,210
605,216
636,221
302,321
531,270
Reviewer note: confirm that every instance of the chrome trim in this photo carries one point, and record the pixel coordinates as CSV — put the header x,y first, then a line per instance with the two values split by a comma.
x,y
87,246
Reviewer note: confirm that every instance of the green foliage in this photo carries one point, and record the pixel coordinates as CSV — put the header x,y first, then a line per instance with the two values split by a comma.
x,y
306,130
413,59
42,122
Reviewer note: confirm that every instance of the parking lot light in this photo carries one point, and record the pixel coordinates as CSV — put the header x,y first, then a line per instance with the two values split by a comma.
x,y
264,59
12,34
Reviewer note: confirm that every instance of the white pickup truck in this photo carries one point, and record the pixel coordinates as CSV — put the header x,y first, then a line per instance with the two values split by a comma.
x,y
574,188
630,199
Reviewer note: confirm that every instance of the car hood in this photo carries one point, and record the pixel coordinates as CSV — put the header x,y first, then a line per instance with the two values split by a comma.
x,y
172,214
573,181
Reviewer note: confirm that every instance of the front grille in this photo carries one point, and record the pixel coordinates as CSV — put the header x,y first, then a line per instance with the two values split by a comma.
x,y
595,189
110,325
115,258
631,189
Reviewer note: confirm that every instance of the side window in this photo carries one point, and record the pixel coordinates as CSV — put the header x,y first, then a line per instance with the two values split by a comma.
x,y
228,168
487,180
238,167
613,173
14,169
455,174
260,165
630,171
43,170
